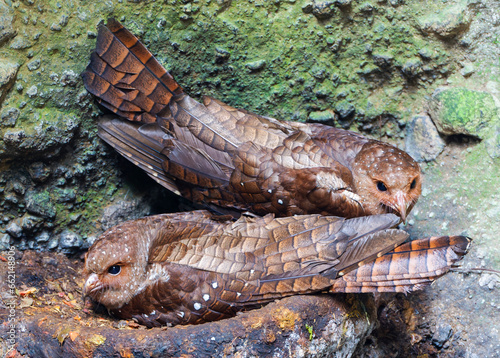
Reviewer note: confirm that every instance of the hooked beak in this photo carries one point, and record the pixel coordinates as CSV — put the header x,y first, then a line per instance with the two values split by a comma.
x,y
92,284
401,205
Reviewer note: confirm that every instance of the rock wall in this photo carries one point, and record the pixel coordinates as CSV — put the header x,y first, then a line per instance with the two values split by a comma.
x,y
361,65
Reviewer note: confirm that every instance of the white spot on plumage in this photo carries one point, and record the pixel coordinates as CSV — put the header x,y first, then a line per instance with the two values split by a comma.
x,y
269,191
197,306
238,294
280,201
206,297
181,314
214,284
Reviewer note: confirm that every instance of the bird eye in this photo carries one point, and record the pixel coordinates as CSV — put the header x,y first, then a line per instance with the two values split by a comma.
x,y
114,270
381,186
413,184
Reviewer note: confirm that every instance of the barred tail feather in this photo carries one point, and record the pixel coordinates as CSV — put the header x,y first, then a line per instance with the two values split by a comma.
x,y
409,267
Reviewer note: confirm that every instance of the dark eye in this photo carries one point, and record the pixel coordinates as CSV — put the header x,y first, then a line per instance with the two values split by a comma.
x,y
381,186
114,270
413,184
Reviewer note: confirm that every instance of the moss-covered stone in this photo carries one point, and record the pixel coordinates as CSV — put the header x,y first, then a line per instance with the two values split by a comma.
x,y
40,204
445,21
8,73
463,111
6,19
322,116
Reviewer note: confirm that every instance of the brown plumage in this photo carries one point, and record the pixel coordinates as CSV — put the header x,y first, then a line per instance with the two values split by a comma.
x,y
232,160
194,267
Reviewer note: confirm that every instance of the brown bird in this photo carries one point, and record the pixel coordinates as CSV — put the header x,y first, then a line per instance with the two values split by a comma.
x,y
194,267
232,160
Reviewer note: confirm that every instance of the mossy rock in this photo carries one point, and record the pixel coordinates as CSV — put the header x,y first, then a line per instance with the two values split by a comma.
x,y
463,111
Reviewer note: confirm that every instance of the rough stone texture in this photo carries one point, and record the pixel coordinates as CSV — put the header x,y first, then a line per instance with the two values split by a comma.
x,y
70,242
448,22
325,117
493,143
422,140
6,19
462,111
8,72
9,117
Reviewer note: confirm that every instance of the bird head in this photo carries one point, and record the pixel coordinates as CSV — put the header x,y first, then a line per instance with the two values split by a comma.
x,y
115,266
387,179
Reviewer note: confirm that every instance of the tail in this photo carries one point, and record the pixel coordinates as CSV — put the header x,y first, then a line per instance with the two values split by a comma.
x,y
126,78
409,267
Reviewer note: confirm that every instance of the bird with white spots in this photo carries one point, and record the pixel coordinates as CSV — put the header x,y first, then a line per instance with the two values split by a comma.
x,y
231,160
193,267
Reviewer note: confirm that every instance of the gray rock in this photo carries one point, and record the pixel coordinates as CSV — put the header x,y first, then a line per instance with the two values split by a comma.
x,y
4,242
422,141
320,9
39,172
383,59
40,204
256,65
20,43
55,27
29,222
14,229
121,211
53,243
441,335
8,74
6,19
489,280
70,241
9,116
451,21
34,65
65,195
89,241
32,91
345,109
467,70
43,237
412,68
69,78
46,138
493,144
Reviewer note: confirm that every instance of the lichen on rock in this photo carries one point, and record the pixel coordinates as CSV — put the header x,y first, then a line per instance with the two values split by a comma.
x,y
464,111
